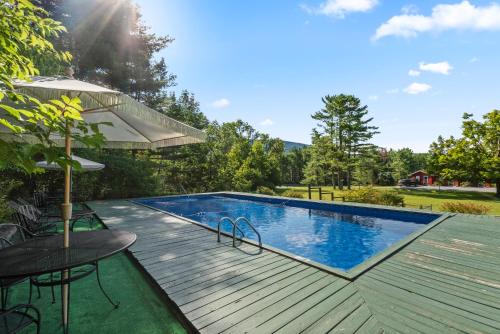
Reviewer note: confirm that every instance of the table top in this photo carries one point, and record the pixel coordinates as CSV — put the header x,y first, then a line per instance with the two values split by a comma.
x,y
45,255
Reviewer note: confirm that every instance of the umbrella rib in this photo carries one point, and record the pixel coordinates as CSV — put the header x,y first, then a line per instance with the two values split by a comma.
x,y
92,110
128,123
110,108
96,100
169,138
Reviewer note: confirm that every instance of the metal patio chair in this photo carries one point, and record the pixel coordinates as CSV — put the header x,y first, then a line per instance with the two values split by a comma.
x,y
18,317
10,234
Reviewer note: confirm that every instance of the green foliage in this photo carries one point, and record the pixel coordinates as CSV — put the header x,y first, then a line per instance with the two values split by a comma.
x,y
24,36
405,162
391,198
474,157
293,164
343,137
112,46
465,207
6,187
126,175
373,196
265,191
292,193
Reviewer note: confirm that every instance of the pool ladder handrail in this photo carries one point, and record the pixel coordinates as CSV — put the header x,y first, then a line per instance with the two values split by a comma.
x,y
251,226
235,227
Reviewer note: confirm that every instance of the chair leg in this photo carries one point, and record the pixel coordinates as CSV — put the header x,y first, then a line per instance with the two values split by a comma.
x,y
30,292
5,297
102,289
52,289
3,302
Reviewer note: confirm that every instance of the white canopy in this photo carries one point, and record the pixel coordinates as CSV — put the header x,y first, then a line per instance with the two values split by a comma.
x,y
87,165
135,126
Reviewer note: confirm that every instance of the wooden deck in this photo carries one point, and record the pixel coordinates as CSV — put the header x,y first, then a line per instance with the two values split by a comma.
x,y
446,281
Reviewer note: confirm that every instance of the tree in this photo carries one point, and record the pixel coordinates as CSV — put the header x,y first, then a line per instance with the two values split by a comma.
x,y
24,36
402,162
474,157
322,165
491,137
343,121
293,165
184,108
111,46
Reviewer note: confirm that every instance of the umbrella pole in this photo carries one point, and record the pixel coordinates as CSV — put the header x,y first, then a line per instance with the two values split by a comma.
x,y
66,214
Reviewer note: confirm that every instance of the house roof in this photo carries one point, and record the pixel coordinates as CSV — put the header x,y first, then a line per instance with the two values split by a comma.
x,y
419,171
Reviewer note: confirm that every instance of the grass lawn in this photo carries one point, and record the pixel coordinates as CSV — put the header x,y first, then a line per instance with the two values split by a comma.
x,y
415,197
141,310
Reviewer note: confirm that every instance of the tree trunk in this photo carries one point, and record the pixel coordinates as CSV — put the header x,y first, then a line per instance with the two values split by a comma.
x,y
349,178
333,178
497,181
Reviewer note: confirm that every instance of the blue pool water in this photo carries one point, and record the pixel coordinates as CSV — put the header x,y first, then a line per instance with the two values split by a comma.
x,y
335,235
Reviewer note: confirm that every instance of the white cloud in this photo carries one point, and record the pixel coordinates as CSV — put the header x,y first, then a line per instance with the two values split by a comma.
x,y
392,91
413,73
460,16
373,97
221,103
417,88
442,67
473,60
267,122
339,8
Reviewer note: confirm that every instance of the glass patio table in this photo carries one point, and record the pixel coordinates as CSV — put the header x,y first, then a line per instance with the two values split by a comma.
x,y
46,255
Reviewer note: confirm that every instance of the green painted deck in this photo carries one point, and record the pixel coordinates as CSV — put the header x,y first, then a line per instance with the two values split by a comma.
x,y
445,281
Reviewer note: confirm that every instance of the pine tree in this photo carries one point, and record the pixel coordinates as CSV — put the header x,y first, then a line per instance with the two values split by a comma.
x,y
343,121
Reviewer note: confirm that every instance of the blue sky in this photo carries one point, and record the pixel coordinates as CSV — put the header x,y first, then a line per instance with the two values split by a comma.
x,y
270,62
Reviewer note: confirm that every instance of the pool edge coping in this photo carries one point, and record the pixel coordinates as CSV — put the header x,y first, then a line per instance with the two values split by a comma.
x,y
351,274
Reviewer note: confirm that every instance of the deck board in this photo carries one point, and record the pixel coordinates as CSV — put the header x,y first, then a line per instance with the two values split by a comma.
x,y
445,281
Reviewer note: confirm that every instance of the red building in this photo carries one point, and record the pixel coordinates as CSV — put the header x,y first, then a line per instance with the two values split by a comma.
x,y
422,178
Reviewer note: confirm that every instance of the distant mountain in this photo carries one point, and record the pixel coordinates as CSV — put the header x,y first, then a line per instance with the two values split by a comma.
x,y
290,145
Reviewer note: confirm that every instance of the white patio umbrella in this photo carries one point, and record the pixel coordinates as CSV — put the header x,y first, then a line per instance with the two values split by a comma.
x,y
86,165
135,126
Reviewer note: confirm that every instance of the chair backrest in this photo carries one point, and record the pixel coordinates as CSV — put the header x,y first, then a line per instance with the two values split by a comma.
x,y
40,199
26,221
30,211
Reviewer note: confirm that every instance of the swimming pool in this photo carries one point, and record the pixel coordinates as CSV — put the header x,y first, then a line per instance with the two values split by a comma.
x,y
338,236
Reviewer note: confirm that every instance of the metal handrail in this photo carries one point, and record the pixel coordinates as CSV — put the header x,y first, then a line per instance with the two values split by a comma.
x,y
234,229
249,224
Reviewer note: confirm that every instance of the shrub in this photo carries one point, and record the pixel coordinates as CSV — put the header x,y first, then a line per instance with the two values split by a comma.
x,y
6,186
292,193
362,195
465,207
265,191
372,196
391,198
